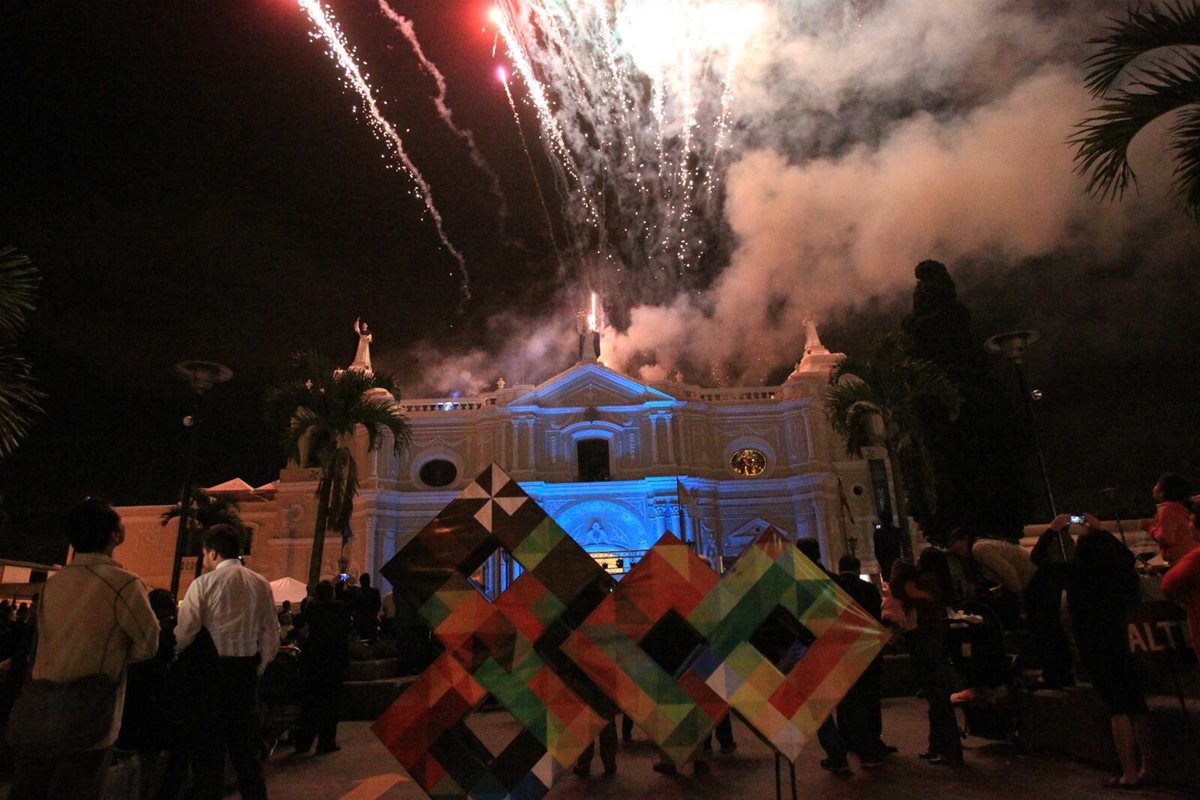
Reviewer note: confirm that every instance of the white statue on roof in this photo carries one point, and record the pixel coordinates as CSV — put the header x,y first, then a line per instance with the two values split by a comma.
x,y
812,339
362,356
817,358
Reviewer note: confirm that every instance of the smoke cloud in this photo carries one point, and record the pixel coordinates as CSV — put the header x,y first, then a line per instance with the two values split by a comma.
x,y
870,136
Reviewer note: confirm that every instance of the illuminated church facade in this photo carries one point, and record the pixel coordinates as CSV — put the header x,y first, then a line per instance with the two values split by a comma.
x,y
617,462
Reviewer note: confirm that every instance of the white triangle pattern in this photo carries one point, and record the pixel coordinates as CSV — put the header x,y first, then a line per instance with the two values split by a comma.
x,y
476,491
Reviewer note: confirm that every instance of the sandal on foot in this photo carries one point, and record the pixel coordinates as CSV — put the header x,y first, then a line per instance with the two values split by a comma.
x,y
1117,783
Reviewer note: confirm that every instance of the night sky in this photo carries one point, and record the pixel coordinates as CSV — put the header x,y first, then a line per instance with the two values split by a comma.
x,y
193,181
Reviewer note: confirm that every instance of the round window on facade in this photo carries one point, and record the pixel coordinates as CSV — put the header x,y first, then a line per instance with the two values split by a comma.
x,y
438,472
748,462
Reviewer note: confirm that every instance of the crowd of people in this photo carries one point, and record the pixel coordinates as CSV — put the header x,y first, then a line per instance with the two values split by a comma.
x,y
1077,564
100,665
100,668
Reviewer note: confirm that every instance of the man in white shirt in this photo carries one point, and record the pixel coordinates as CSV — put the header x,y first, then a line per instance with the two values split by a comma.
x,y
235,606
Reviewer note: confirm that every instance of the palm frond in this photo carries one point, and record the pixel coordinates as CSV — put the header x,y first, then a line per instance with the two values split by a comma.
x,y
928,382
19,280
20,400
1103,139
851,406
847,367
207,510
1185,135
1143,31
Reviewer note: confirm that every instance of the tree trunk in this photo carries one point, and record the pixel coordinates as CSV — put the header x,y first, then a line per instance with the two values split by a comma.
x,y
906,548
318,545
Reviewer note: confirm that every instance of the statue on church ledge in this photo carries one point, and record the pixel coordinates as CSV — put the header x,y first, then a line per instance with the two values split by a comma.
x,y
362,356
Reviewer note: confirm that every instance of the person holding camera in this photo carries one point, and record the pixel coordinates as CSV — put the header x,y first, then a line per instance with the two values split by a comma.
x,y
1052,555
1102,589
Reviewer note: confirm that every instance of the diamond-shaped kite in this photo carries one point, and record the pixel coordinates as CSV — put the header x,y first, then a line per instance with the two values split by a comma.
x,y
618,649
785,709
499,648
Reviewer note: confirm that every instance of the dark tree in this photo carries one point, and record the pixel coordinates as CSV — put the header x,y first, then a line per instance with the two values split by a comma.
x,y
879,402
317,409
978,458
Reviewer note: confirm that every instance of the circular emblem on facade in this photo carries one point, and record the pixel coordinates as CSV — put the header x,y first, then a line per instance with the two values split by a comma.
x,y
748,462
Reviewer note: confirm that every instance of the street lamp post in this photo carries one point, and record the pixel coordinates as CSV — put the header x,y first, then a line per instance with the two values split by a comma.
x,y
201,377
1012,345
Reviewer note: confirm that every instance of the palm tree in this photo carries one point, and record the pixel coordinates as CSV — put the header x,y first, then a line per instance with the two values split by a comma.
x,y
882,401
19,398
1156,49
205,511
317,409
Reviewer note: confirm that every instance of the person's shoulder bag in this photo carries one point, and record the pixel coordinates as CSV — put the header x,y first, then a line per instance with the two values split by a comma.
x,y
53,718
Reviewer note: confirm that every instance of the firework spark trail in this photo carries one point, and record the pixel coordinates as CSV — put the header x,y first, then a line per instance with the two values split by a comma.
x,y
723,122
635,100
538,93
328,30
533,171
406,28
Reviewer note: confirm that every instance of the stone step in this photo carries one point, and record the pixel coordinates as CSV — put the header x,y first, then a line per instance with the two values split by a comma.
x,y
1074,723
374,669
366,700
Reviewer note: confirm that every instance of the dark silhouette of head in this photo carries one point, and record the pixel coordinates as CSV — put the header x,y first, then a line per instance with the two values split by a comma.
x,y
325,592
364,580
90,525
224,541
1174,488
162,603
850,564
903,573
811,549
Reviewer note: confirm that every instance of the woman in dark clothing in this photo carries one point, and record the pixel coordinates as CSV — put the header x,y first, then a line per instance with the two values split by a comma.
x,y
919,596
1102,589
324,659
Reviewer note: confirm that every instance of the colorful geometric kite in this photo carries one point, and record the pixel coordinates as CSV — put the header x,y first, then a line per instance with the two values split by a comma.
x,y
637,640
490,647
673,645
772,578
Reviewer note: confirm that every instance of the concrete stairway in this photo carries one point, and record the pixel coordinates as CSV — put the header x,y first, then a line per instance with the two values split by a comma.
x,y
372,686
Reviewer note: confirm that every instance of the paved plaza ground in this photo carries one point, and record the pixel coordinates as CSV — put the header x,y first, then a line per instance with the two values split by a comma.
x,y
364,770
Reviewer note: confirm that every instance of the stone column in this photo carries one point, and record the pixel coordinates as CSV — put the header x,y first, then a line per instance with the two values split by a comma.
x,y
808,434
516,443
532,442
670,439
653,440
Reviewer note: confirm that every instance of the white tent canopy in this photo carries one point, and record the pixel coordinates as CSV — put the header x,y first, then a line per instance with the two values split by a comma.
x,y
288,589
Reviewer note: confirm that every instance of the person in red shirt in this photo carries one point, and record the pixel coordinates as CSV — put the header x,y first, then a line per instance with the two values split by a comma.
x,y
1172,524
1182,582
